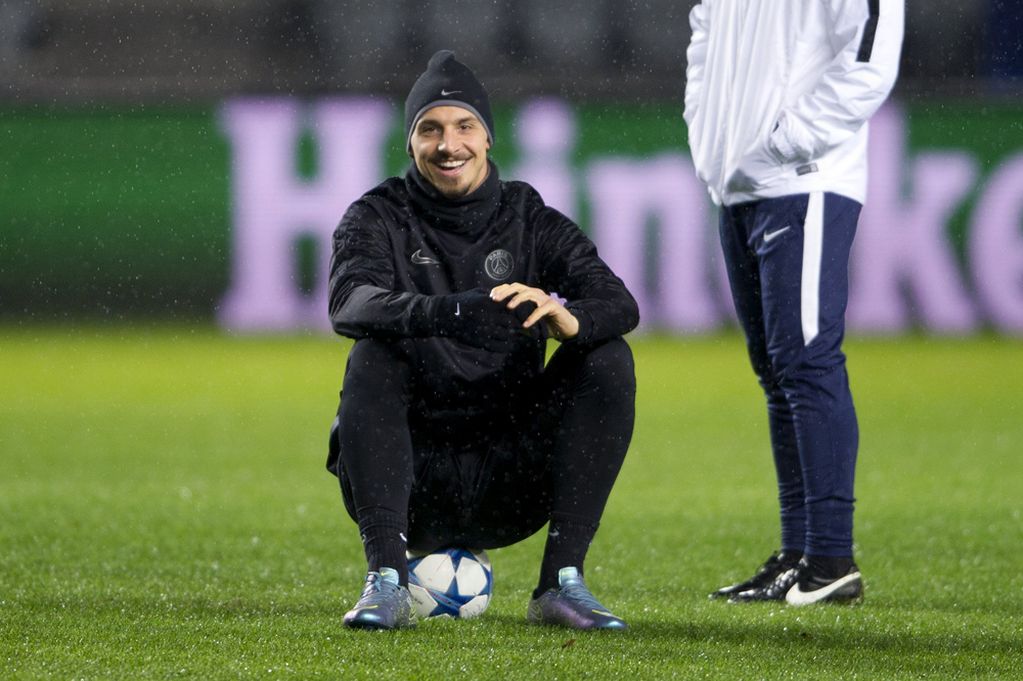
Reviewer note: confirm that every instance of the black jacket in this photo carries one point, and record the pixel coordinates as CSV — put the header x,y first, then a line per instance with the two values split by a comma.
x,y
402,244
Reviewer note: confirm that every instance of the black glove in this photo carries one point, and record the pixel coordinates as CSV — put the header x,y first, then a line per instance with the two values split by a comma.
x,y
522,313
473,318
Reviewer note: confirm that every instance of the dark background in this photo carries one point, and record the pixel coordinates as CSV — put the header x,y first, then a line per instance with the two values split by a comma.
x,y
63,51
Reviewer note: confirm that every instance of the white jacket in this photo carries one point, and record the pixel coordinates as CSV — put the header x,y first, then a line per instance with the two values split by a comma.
x,y
778,93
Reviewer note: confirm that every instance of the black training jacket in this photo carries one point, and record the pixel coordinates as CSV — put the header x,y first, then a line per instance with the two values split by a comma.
x,y
393,254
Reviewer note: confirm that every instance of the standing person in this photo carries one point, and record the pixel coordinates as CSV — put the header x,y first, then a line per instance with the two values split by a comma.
x,y
778,94
451,431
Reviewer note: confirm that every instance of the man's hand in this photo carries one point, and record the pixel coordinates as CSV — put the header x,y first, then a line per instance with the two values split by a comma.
x,y
561,324
474,318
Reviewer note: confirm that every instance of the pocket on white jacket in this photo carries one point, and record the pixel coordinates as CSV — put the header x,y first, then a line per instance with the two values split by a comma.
x,y
756,169
787,148
790,142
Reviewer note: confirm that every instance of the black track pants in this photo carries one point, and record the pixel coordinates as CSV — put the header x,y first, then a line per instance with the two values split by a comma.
x,y
492,479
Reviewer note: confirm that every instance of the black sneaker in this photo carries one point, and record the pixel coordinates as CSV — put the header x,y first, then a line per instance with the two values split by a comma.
x,y
775,591
384,603
778,563
814,586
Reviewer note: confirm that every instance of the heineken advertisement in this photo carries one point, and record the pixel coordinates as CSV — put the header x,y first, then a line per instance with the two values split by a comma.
x,y
226,214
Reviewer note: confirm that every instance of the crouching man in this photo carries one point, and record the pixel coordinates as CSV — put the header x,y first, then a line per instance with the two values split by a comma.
x,y
451,430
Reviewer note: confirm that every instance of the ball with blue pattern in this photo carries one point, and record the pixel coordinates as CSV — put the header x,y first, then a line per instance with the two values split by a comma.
x,y
453,582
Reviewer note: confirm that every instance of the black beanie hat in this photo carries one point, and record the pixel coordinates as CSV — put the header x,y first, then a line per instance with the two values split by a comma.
x,y
447,82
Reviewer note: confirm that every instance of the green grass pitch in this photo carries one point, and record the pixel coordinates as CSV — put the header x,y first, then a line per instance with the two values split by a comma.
x,y
165,513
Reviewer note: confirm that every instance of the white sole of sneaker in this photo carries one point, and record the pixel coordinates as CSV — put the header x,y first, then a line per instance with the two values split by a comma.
x,y
798,597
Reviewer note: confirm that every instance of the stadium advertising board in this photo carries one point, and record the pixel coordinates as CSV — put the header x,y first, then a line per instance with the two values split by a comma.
x,y
228,213
649,216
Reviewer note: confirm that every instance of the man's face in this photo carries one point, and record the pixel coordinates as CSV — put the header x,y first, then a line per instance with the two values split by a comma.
x,y
449,145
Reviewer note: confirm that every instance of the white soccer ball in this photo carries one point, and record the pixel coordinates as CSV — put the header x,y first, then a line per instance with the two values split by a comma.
x,y
451,582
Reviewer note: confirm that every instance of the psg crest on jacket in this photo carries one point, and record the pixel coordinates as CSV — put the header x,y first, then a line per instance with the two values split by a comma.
x,y
499,264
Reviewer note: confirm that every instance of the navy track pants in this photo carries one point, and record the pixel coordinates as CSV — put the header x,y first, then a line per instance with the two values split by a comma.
x,y
788,261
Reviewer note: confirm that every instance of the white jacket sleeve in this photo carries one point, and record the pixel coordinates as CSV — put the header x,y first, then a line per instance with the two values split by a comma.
x,y
867,35
696,57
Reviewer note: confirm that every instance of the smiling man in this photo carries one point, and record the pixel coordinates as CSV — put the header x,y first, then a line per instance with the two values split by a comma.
x,y
452,431
451,150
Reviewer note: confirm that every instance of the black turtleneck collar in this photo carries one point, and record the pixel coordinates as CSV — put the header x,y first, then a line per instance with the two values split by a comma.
x,y
466,214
